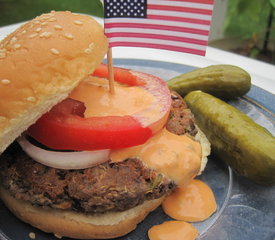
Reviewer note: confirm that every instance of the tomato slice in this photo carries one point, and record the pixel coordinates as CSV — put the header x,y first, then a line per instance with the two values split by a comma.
x,y
69,106
121,75
59,130
64,127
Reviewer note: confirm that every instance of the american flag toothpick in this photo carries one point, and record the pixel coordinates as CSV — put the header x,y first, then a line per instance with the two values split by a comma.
x,y
177,25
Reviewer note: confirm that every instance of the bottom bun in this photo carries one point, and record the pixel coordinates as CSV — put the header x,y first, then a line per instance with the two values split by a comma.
x,y
78,225
205,148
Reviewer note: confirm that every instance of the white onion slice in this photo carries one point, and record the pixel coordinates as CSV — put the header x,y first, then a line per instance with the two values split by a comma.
x,y
64,160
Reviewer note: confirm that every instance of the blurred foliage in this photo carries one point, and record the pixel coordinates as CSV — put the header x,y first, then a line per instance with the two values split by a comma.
x,y
247,17
13,11
254,21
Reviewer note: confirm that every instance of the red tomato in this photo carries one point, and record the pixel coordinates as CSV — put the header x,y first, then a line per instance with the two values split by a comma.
x,y
59,130
64,127
121,75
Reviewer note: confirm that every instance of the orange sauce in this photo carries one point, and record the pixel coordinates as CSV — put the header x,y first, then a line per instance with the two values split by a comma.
x,y
127,100
173,230
192,203
178,157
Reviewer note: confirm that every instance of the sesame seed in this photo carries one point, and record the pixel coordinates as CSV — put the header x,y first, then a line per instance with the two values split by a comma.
x,y
91,45
44,23
69,35
77,22
31,99
57,236
37,22
75,14
88,50
16,46
13,40
32,235
5,81
24,31
58,27
52,19
33,35
54,51
45,17
45,34
48,34
3,50
38,29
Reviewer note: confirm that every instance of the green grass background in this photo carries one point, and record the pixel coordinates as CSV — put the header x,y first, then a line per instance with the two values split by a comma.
x,y
13,11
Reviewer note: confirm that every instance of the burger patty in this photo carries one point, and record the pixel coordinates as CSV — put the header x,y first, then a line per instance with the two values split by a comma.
x,y
181,120
107,187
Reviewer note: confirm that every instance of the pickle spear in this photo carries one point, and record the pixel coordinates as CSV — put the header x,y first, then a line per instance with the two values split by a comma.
x,y
223,81
245,146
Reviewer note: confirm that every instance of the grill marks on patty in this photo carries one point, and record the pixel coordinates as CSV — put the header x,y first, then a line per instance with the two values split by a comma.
x,y
106,187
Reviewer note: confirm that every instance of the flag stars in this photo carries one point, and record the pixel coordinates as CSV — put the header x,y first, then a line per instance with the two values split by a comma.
x,y
125,8
151,24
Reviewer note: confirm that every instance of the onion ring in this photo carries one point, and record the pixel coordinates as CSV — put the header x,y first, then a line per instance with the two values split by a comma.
x,y
64,160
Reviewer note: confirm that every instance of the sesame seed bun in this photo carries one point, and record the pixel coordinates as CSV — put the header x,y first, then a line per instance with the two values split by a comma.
x,y
41,63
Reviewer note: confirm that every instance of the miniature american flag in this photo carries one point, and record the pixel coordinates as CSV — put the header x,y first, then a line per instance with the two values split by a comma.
x,y
177,25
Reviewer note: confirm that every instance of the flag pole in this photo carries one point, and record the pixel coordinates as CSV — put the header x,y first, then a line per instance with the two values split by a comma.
x,y
110,71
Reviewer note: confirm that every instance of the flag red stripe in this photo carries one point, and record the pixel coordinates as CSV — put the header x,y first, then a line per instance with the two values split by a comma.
x,y
176,25
179,19
179,9
158,46
157,36
197,1
156,26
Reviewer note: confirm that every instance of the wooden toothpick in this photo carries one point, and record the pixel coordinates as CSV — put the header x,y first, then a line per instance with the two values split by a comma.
x,y
110,71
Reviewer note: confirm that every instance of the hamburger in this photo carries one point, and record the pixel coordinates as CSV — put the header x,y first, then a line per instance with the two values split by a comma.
x,y
78,175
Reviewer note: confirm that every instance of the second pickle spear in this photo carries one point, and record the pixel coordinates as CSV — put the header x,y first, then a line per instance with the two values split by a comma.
x,y
235,138
223,81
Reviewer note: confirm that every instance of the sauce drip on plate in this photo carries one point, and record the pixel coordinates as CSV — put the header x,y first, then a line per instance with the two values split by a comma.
x,y
192,203
173,230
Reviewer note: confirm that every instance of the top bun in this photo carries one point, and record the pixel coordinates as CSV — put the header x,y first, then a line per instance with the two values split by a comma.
x,y
41,63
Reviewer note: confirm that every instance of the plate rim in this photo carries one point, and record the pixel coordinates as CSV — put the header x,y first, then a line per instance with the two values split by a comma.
x,y
123,61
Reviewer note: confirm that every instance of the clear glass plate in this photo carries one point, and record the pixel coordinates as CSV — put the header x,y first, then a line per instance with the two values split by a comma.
x,y
245,210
